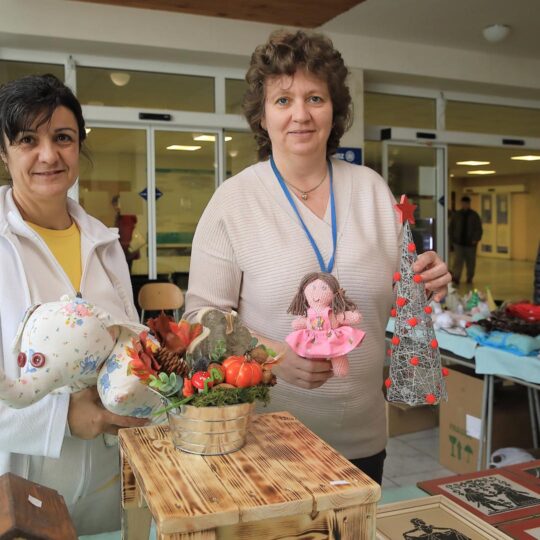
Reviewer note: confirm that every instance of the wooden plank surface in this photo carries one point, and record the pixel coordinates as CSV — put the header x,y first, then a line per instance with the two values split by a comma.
x,y
352,523
261,486
284,471
281,12
330,477
181,490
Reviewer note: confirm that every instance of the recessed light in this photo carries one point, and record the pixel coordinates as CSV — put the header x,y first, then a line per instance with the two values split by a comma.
x,y
233,153
496,32
120,78
183,147
88,130
209,138
473,163
481,172
530,157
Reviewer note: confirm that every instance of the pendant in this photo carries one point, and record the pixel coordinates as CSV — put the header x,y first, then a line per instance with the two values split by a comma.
x,y
304,196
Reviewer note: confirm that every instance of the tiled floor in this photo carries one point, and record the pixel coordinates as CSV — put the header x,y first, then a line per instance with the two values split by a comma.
x,y
411,458
507,279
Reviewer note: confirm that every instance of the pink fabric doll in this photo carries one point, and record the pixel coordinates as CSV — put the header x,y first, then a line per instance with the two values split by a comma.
x,y
324,329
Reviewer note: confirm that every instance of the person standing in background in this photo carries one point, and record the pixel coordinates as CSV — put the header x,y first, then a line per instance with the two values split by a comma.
x,y
465,233
126,224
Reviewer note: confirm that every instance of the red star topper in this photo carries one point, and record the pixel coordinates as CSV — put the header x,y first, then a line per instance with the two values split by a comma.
x,y
405,210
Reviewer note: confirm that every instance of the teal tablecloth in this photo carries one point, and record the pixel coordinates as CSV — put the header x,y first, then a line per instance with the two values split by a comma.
x,y
492,361
463,346
116,535
403,493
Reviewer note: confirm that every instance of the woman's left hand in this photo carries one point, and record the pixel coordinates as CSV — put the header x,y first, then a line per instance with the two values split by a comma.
x,y
434,274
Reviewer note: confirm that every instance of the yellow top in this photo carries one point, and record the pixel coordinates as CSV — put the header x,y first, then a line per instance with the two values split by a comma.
x,y
65,245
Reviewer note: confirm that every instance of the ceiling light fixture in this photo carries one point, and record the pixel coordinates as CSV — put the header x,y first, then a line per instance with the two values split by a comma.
x,y
233,153
183,147
473,163
530,157
88,130
209,138
120,78
495,33
481,172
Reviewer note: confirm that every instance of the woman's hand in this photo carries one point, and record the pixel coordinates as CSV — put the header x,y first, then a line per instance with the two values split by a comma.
x,y
349,318
303,372
434,274
299,323
87,418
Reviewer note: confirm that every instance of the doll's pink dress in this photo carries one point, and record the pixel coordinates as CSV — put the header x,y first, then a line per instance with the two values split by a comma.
x,y
320,340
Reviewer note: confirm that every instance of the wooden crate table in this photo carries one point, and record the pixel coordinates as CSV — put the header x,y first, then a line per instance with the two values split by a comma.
x,y
285,483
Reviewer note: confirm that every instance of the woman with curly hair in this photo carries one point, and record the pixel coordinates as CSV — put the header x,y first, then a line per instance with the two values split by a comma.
x,y
299,210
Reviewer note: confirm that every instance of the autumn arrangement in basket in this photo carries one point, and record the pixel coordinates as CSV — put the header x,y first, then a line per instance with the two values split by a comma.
x,y
214,362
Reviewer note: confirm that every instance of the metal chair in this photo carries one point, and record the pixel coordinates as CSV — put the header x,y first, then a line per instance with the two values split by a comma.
x,y
161,297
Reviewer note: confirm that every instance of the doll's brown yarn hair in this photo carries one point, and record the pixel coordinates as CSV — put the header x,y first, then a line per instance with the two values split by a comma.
x,y
340,302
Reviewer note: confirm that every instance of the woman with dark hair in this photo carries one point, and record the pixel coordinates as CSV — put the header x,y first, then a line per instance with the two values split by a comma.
x,y
298,211
50,247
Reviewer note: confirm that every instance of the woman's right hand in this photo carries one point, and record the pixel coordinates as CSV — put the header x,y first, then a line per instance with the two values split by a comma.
x,y
87,418
303,372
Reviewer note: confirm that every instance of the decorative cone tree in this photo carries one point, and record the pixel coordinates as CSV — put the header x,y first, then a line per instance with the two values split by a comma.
x,y
416,376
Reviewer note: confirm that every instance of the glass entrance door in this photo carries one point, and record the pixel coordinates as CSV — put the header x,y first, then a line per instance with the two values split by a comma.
x,y
419,171
186,176
111,188
494,211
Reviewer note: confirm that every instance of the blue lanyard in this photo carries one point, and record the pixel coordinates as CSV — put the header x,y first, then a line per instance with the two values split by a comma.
x,y
324,268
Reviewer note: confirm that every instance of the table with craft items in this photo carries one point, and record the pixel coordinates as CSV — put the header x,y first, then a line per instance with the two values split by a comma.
x,y
284,483
490,363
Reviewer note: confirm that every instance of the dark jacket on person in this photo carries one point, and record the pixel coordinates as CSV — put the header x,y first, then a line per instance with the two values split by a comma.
x,y
465,228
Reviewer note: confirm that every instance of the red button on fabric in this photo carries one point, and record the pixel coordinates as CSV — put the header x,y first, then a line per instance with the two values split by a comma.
x,y
21,359
38,360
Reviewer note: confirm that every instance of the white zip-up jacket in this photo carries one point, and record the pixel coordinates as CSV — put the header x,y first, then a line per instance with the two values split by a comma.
x,y
35,441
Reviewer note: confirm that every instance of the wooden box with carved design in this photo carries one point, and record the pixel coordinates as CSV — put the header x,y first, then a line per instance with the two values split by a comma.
x,y
284,483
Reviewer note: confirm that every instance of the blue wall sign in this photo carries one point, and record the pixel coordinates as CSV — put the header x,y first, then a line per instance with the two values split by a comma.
x,y
352,155
144,194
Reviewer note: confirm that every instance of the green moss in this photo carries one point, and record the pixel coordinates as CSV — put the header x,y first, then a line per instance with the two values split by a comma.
x,y
220,397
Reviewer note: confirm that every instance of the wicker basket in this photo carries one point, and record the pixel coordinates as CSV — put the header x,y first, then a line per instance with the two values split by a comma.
x,y
210,431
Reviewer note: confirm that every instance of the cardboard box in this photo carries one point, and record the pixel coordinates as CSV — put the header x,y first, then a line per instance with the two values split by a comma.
x,y
460,420
402,419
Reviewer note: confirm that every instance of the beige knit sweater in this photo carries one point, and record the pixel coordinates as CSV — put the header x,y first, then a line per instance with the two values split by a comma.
x,y
249,254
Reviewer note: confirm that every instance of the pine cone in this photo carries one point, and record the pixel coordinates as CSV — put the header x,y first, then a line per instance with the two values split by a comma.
x,y
171,362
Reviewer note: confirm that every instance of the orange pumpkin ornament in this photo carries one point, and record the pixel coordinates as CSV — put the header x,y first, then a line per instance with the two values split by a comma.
x,y
241,372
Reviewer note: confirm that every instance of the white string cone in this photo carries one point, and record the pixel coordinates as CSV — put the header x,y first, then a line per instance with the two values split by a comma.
x,y
416,376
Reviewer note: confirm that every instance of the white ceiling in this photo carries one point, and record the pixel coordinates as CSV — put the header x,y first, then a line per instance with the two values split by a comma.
x,y
451,23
